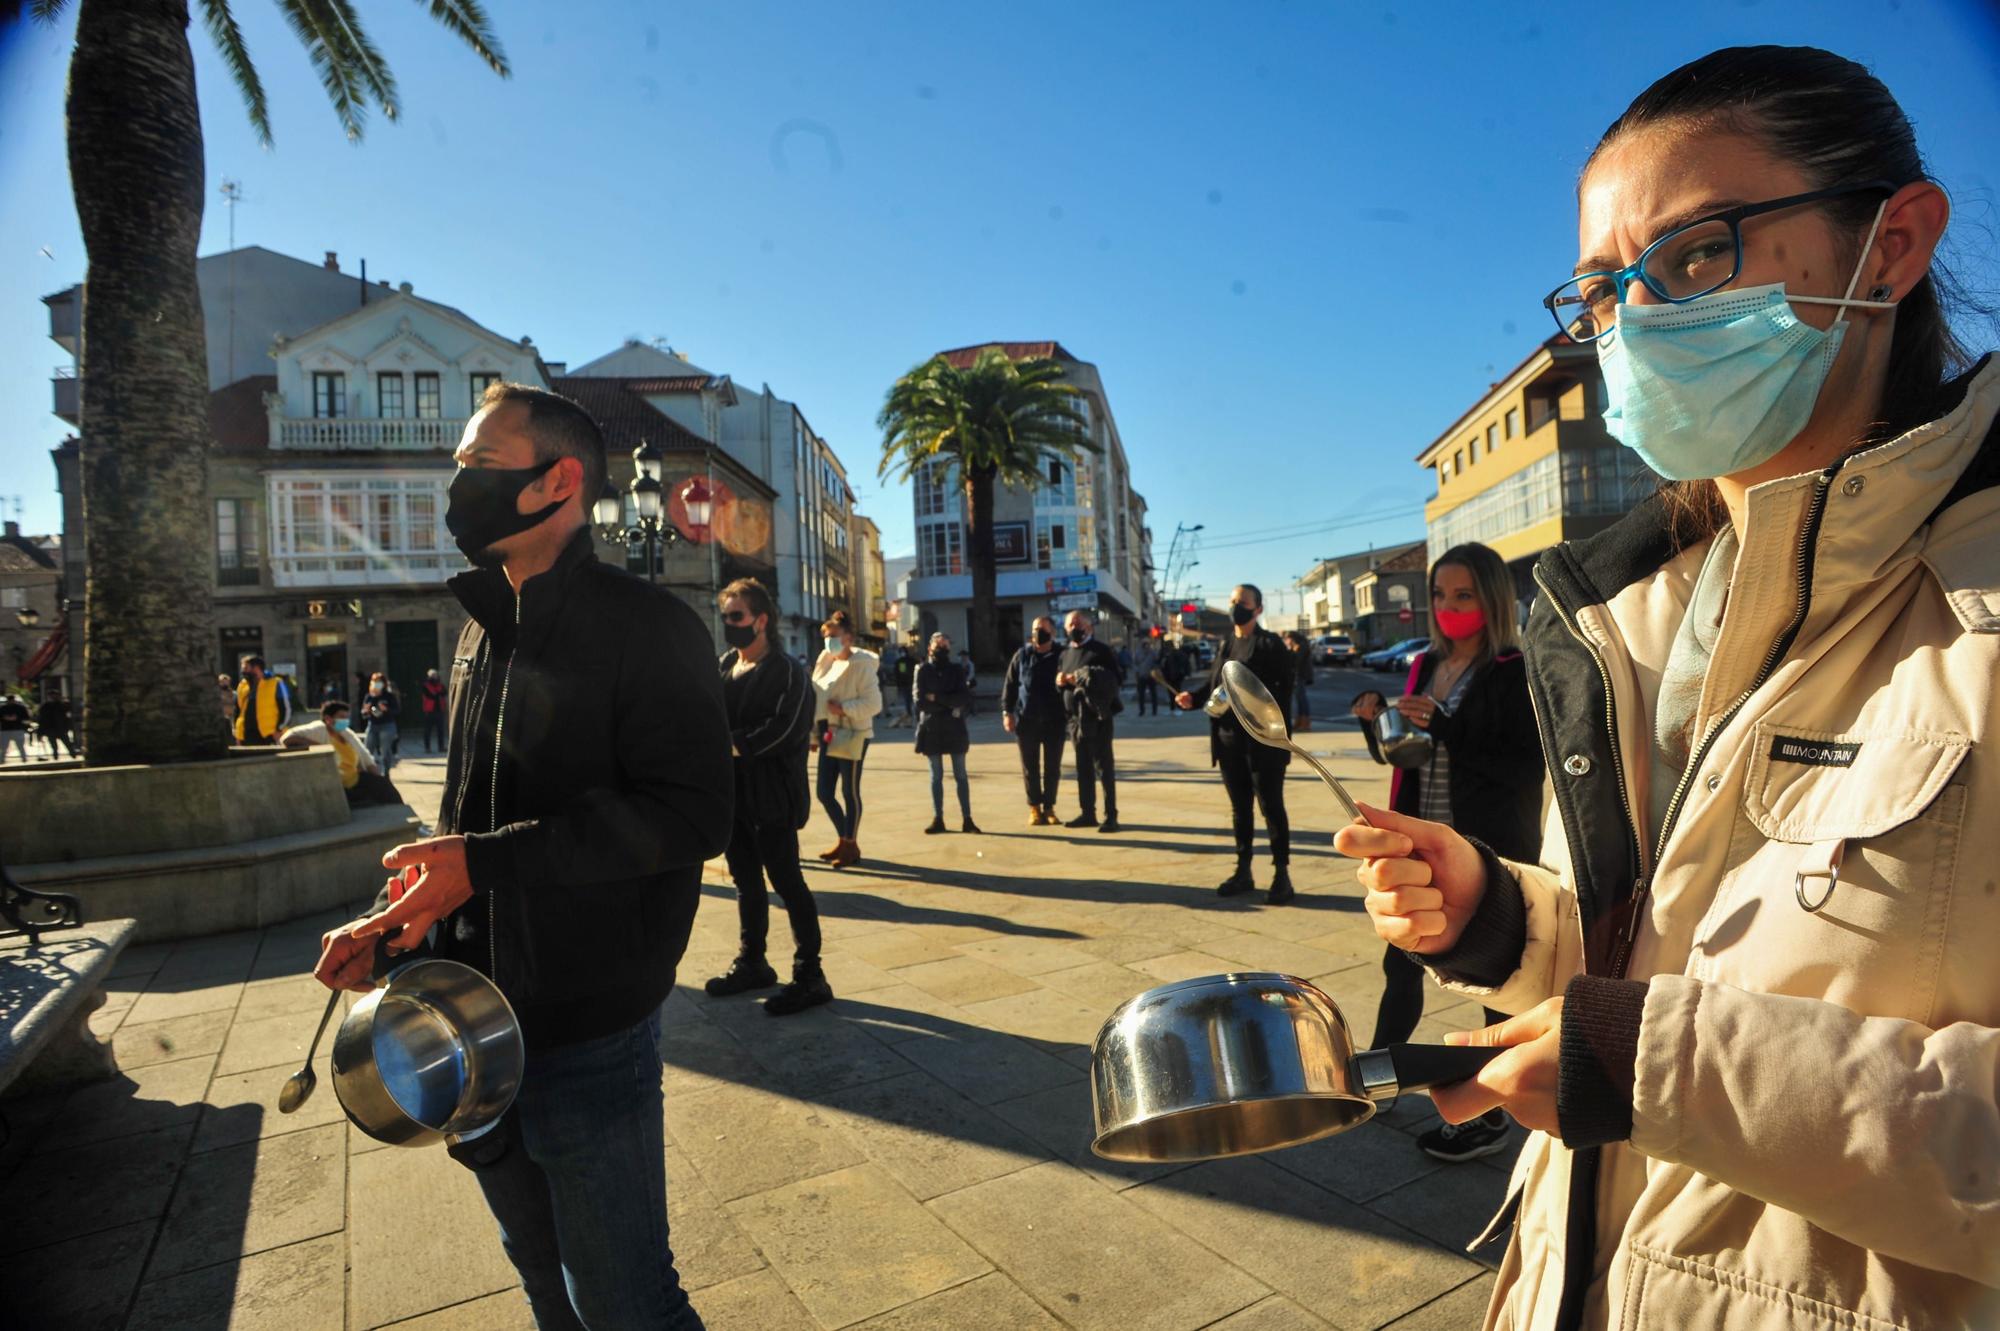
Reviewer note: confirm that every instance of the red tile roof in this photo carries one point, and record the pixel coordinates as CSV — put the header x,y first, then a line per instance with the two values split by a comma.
x,y
237,418
625,417
964,356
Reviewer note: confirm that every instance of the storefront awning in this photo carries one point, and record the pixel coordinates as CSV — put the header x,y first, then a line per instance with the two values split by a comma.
x,y
45,655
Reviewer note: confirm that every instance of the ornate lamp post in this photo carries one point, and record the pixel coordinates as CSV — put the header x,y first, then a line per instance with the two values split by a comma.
x,y
635,516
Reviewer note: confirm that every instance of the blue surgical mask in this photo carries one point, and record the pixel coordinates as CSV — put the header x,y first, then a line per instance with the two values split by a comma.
x,y
833,645
340,723
1721,383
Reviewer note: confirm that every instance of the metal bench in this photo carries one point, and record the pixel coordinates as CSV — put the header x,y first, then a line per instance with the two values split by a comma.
x,y
52,973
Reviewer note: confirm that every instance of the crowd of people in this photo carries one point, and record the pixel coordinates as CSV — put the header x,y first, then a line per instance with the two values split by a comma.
x,y
47,722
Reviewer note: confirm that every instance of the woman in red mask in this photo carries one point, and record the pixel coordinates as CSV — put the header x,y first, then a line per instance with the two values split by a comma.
x,y
1481,773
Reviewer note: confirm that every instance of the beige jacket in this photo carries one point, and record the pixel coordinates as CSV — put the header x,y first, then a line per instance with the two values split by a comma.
x,y
1815,1137
855,684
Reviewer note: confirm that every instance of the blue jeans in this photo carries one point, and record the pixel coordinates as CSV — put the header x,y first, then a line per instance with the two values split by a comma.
x,y
840,779
957,775
576,1176
382,743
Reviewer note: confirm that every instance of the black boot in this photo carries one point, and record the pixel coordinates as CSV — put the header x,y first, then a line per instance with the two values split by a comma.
x,y
1239,882
743,975
807,989
1281,887
937,825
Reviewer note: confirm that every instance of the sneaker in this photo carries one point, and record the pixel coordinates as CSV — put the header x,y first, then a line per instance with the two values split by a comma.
x,y
1082,820
937,825
1281,887
1111,824
1237,883
743,975
808,989
1485,1135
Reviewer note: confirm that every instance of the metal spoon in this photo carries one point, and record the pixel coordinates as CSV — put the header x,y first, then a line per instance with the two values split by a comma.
x,y
299,1086
1264,720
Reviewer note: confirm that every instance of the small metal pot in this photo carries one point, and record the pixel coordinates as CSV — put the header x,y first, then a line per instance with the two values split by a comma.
x,y
1402,744
1236,1064
433,1053
1217,705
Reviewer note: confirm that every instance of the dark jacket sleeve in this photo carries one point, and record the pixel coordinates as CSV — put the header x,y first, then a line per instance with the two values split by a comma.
x,y
1100,681
673,799
784,713
947,683
1010,687
1492,736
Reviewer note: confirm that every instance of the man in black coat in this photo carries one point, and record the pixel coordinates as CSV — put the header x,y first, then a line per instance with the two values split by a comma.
x,y
1248,767
1031,707
770,701
1088,676
588,779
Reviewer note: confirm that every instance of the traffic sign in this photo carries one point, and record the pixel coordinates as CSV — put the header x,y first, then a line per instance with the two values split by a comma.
x,y
1071,583
1074,601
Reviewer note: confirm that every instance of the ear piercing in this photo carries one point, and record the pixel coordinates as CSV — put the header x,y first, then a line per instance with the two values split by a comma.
x,y
1881,291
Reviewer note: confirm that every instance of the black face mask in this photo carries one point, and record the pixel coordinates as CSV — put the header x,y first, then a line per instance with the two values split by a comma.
x,y
1241,614
740,635
942,656
480,510
1043,637
1078,635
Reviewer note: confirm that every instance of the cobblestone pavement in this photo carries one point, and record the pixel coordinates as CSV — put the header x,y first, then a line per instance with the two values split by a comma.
x,y
913,1156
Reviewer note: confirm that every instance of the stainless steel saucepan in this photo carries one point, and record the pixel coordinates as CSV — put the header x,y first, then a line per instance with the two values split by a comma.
x,y
432,1053
1236,1064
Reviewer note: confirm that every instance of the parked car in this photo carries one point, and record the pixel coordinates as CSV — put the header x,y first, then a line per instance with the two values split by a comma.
x,y
1396,656
1333,649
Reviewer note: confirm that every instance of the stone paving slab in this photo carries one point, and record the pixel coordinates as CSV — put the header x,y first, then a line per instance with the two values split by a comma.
x,y
915,1155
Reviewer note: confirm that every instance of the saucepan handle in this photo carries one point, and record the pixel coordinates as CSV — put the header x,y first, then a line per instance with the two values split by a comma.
x,y
1421,1066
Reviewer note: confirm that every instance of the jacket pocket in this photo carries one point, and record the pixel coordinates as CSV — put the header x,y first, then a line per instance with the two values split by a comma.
x,y
1664,1289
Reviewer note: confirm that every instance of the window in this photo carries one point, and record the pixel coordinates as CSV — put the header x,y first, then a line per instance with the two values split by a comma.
x,y
936,483
329,395
1472,448
430,401
1444,472
1492,437
1055,471
939,549
1458,462
1056,537
235,543
389,395
1513,422
352,529
480,383
13,598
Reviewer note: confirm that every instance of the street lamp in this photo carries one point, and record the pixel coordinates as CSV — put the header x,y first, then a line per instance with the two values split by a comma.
x,y
634,517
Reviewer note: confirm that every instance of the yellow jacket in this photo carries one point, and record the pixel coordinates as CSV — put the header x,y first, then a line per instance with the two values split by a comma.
x,y
272,709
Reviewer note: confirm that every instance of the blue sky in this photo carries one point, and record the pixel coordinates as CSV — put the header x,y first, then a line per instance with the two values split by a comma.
x,y
1297,240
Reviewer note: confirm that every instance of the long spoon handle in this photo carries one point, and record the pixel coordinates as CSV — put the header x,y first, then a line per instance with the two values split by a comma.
x,y
324,1017
1333,784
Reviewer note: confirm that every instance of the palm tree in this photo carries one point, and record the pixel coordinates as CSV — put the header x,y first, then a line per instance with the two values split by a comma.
x,y
996,420
136,168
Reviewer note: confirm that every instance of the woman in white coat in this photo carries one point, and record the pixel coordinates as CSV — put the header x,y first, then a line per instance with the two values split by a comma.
x,y
848,695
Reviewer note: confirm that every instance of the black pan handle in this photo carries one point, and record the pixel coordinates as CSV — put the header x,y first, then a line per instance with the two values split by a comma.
x,y
1421,1066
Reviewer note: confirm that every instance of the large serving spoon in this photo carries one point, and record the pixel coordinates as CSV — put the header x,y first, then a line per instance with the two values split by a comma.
x,y
298,1087
1264,720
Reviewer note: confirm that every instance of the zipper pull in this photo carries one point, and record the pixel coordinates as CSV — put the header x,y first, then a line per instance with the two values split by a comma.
x,y
1621,957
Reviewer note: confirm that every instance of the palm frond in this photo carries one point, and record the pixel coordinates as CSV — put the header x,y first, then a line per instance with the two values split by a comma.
x,y
466,20
310,22
367,61
221,25
995,418
47,10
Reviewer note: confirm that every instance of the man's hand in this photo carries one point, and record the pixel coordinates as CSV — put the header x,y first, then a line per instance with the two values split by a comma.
x,y
434,882
1184,700
1424,880
1008,722
1522,1081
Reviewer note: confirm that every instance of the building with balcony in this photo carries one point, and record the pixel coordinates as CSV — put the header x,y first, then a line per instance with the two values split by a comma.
x,y
1392,599
871,594
1084,524
1332,600
1531,464
33,635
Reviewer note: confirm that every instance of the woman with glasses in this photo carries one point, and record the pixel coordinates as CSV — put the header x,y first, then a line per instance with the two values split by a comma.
x,y
1758,1014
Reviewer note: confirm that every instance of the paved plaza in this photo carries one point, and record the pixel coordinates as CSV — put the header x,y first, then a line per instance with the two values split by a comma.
x,y
913,1156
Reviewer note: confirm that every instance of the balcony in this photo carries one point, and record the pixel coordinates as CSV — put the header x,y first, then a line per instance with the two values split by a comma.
x,y
68,394
66,320
368,434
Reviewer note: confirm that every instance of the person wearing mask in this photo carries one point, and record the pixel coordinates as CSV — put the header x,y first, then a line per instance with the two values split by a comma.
x,y
1031,708
361,777
588,779
770,700
1173,669
1302,678
971,673
379,709
433,702
13,726
849,697
1250,770
52,720
263,704
906,679
1757,1015
225,694
944,697
1088,676
1145,687
1482,774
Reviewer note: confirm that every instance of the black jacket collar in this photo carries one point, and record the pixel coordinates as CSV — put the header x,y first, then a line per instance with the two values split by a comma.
x,y
489,598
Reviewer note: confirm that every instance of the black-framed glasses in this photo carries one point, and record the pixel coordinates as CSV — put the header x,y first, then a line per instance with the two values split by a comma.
x,y
738,617
1686,264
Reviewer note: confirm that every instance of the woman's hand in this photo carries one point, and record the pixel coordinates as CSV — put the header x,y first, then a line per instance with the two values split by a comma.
x,y
835,710
1521,1081
1417,710
1368,706
1184,701
1424,880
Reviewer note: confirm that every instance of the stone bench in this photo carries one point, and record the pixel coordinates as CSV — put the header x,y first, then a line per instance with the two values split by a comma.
x,y
48,990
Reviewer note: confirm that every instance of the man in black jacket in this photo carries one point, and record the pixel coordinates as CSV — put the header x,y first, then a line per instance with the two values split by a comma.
x,y
1089,679
588,779
1031,707
770,700
1248,767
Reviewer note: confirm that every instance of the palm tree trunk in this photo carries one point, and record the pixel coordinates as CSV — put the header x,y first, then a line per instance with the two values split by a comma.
x,y
982,629
135,158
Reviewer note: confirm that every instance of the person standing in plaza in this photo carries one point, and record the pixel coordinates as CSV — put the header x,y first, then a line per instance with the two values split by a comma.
x,y
906,679
1302,678
1251,771
770,701
379,710
1482,776
1031,708
944,698
13,726
225,696
587,781
433,704
849,697
1089,679
361,777
52,720
970,669
1145,688
263,704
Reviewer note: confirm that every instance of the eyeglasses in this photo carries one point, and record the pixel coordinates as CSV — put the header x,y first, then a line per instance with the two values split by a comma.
x,y
1686,264
738,617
